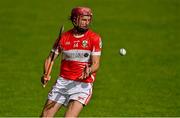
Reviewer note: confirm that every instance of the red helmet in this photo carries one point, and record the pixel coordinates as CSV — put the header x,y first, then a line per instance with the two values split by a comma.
x,y
76,15
80,11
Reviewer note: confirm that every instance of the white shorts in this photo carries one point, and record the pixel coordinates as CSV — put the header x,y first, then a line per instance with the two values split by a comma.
x,y
65,90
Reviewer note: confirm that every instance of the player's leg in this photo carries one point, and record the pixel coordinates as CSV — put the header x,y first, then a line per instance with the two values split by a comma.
x,y
74,108
54,102
50,108
81,97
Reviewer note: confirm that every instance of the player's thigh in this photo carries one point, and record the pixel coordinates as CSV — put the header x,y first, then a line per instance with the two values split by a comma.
x,y
51,106
74,108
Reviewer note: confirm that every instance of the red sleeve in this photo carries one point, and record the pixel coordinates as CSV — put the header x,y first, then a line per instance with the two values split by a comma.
x,y
97,46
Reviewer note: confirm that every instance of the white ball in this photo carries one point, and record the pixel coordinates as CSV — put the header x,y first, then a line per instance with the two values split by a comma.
x,y
122,51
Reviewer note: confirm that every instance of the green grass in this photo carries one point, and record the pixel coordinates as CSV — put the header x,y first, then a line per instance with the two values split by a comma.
x,y
145,82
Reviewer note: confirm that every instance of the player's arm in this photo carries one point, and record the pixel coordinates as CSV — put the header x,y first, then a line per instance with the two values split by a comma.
x,y
94,67
48,61
48,64
51,58
95,59
95,63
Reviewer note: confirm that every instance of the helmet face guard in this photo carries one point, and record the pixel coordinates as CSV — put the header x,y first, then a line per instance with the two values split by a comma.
x,y
77,15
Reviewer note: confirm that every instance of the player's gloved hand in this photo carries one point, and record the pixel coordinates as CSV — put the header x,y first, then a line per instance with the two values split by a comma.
x,y
86,72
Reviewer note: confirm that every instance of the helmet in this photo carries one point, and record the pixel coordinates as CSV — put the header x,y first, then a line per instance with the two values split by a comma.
x,y
76,15
77,11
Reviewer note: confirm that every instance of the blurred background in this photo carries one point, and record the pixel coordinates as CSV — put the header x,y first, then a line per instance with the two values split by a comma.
x,y
145,82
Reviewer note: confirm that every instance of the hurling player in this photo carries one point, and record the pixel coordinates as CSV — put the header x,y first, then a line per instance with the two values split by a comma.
x,y
80,49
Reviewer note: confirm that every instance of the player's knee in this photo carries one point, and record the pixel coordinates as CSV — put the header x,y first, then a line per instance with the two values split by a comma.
x,y
48,111
44,113
70,114
74,110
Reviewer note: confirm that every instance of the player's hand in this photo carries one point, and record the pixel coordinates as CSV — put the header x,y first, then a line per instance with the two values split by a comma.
x,y
86,72
45,79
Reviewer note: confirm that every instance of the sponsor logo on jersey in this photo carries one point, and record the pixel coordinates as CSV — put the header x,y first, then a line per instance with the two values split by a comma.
x,y
86,55
76,55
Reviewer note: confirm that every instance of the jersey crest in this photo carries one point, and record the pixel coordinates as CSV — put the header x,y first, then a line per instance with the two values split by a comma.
x,y
84,43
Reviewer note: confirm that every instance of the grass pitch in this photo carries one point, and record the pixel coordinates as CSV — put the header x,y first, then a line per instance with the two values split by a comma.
x,y
145,82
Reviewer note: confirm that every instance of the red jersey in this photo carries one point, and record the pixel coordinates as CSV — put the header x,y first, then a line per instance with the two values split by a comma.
x,y
76,54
